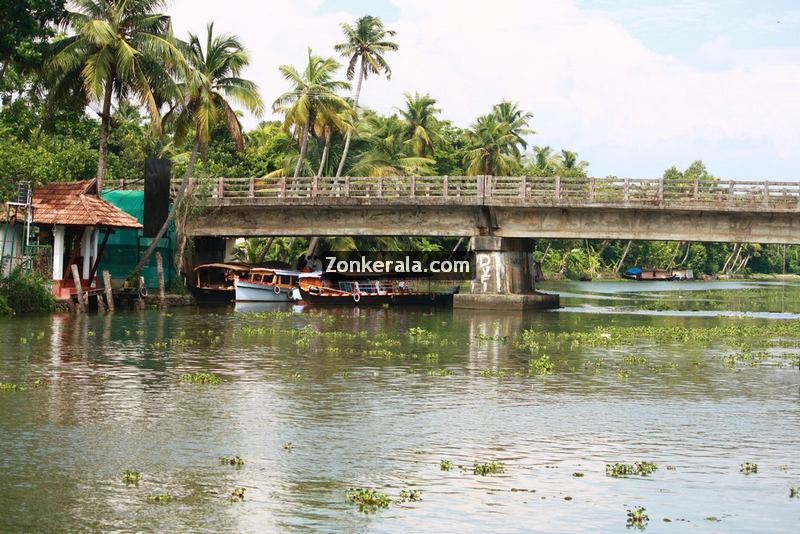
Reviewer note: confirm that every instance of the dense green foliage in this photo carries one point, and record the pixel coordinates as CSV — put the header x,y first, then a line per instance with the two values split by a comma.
x,y
22,292
185,107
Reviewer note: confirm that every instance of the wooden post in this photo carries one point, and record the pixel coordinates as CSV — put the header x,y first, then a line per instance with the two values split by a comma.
x,y
109,292
162,297
252,187
626,191
140,300
77,278
592,189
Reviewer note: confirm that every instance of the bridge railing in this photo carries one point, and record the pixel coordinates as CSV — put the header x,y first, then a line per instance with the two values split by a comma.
x,y
555,190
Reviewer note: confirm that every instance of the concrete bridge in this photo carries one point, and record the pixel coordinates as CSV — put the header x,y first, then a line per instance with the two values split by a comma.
x,y
499,213
512,207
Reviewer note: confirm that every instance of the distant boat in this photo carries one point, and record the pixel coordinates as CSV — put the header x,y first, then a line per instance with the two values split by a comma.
x,y
266,285
213,283
652,275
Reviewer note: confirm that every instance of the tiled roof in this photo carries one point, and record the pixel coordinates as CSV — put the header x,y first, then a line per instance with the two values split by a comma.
x,y
77,203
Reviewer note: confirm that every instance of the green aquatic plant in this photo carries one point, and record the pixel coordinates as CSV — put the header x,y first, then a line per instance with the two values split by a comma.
x,y
432,357
130,477
794,492
9,386
237,495
637,518
577,474
713,519
231,460
494,373
288,446
421,335
440,372
412,495
367,499
748,468
488,468
445,465
671,468
634,360
619,470
645,468
540,366
200,378
160,498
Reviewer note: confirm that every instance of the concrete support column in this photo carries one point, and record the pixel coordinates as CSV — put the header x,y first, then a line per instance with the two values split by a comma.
x,y
230,246
58,252
503,277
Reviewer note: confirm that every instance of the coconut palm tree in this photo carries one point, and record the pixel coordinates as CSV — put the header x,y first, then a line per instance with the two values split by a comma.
x,y
569,165
211,83
517,120
420,122
545,161
312,98
492,148
122,49
366,43
388,151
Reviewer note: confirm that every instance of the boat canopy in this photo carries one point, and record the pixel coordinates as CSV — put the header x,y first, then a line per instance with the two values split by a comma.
x,y
279,272
241,267
634,271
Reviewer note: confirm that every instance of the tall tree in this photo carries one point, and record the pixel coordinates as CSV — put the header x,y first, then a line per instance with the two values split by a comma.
x,y
492,148
120,48
366,43
388,152
25,26
312,97
211,83
419,114
516,119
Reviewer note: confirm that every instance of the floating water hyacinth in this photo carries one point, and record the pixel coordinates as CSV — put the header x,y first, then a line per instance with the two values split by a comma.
x,y
367,499
237,495
201,378
232,460
160,498
748,468
411,495
489,468
130,477
637,518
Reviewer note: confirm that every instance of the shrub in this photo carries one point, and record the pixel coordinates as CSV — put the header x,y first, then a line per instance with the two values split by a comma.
x,y
22,292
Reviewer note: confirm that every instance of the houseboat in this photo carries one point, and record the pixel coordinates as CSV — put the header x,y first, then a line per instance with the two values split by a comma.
x,y
343,291
213,283
266,285
645,275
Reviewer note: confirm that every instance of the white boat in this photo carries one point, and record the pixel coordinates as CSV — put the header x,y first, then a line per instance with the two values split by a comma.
x,y
266,285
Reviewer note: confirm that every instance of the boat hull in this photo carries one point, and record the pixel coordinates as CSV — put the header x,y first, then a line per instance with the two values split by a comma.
x,y
248,292
432,299
204,295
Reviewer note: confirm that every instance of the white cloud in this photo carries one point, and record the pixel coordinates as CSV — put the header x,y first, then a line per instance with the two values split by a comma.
x,y
592,86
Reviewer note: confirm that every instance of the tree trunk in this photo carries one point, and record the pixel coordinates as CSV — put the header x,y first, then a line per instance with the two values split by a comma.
x,y
265,250
105,121
303,147
355,111
325,151
185,188
686,256
624,255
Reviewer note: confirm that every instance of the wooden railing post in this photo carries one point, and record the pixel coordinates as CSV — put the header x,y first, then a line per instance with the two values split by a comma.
x,y
592,189
558,188
523,187
77,279
109,292
445,187
626,190
252,185
730,193
282,186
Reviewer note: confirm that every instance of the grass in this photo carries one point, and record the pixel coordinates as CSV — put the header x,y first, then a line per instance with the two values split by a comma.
x,y
201,378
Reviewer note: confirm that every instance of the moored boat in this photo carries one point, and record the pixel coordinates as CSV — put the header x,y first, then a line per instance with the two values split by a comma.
x,y
649,275
213,283
372,292
266,285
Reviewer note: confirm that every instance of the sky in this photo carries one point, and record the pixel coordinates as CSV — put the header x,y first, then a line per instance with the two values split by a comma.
x,y
633,86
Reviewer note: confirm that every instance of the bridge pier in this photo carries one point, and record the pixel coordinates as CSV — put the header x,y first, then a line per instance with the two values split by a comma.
x,y
504,277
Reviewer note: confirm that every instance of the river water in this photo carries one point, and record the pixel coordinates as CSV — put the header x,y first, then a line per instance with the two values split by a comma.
x,y
695,377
